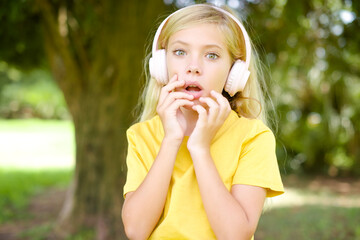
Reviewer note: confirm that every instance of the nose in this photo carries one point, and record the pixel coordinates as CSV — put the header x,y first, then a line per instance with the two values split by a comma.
x,y
194,67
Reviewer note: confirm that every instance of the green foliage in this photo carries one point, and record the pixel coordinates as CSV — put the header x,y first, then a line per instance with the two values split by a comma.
x,y
312,48
16,187
21,42
310,222
30,94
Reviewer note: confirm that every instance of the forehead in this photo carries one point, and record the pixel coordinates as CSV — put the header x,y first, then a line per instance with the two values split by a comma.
x,y
200,34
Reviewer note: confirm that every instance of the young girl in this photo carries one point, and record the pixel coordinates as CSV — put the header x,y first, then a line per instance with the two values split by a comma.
x,y
201,161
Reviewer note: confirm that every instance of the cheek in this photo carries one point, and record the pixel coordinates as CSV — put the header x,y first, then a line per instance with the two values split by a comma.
x,y
221,80
171,66
175,67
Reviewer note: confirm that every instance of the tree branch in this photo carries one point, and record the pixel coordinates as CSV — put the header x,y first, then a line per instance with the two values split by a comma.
x,y
61,53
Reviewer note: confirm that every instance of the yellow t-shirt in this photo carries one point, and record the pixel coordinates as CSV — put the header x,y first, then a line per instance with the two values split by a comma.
x,y
243,151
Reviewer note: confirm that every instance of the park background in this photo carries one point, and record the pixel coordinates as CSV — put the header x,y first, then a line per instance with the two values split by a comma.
x,y
70,74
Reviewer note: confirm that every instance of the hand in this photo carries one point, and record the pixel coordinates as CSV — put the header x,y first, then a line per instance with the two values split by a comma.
x,y
168,108
209,121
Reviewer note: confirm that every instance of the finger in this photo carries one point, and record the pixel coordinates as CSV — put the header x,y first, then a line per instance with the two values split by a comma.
x,y
173,78
202,119
174,83
223,104
174,106
170,87
170,98
213,108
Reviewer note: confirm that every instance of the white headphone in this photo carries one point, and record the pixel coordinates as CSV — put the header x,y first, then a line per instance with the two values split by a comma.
x,y
238,74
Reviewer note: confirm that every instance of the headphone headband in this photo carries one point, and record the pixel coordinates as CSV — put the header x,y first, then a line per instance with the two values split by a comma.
x,y
242,28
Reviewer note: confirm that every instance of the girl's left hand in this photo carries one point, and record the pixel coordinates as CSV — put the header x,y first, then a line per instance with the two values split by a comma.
x,y
209,121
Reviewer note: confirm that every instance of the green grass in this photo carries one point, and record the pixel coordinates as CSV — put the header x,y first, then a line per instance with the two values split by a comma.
x,y
37,233
18,186
310,222
42,232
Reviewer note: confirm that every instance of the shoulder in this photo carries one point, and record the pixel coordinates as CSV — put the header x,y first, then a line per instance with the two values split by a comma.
x,y
249,127
151,127
241,130
258,134
256,126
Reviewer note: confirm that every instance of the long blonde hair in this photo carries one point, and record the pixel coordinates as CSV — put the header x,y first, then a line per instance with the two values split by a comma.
x,y
250,102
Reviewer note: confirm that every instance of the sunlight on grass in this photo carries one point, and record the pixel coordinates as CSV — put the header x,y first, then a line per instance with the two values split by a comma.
x,y
309,222
36,144
311,209
298,197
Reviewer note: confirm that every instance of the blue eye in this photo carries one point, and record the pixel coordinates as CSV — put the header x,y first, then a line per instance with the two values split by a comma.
x,y
179,52
212,56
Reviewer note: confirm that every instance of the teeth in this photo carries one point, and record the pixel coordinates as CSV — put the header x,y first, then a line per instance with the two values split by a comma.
x,y
192,86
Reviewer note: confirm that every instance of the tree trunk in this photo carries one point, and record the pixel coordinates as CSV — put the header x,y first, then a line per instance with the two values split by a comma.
x,y
95,52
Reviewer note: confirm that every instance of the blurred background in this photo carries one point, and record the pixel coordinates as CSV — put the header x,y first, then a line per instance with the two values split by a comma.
x,y
69,67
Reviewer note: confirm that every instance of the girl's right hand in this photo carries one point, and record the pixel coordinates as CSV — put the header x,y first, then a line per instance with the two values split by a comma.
x,y
168,108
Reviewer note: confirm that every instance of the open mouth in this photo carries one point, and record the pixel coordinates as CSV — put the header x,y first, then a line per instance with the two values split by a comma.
x,y
193,88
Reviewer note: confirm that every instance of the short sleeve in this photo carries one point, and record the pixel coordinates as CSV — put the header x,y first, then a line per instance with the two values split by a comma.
x,y
136,168
258,163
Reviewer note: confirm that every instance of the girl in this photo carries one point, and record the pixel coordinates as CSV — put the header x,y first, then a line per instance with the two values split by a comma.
x,y
201,161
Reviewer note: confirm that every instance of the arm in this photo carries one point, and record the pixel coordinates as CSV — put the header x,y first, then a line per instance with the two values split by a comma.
x,y
142,208
232,215
235,214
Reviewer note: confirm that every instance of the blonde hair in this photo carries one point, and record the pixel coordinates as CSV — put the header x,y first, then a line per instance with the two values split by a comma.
x,y
250,102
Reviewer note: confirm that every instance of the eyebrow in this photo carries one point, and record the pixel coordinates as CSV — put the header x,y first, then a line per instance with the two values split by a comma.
x,y
205,46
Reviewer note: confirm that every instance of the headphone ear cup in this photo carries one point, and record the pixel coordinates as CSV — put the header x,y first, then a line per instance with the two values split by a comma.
x,y
237,78
157,66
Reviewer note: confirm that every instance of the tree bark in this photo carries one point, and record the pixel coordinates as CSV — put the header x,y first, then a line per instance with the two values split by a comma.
x,y
95,51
